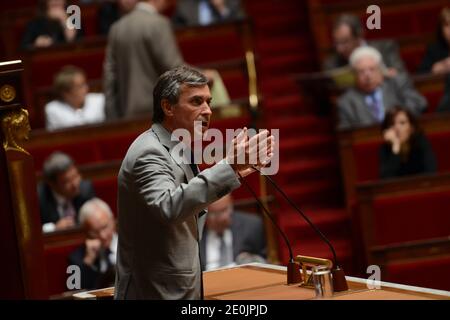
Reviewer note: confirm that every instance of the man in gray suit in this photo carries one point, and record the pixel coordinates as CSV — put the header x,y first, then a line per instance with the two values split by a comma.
x,y
141,46
231,237
162,197
374,94
348,35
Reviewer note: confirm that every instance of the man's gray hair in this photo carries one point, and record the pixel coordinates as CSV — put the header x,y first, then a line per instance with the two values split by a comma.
x,y
363,52
169,85
92,206
57,163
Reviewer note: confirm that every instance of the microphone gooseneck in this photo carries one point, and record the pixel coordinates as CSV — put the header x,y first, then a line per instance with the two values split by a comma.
x,y
266,212
316,229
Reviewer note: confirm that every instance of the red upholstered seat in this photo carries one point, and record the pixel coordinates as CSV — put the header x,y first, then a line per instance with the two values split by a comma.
x,y
429,273
367,161
411,217
106,189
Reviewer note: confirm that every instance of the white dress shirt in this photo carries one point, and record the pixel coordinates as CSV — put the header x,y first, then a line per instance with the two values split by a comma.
x,y
213,249
61,115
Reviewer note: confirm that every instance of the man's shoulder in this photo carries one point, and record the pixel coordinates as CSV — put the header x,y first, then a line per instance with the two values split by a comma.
x,y
347,96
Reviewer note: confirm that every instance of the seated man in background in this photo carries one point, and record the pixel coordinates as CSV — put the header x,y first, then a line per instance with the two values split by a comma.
x,y
49,27
437,57
74,105
97,256
374,94
406,150
348,34
206,12
231,237
62,193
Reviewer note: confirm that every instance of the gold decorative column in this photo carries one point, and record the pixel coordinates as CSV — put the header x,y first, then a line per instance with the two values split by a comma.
x,y
21,241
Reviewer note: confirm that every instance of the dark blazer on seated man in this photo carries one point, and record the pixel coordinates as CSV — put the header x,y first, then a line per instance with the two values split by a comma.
x,y
49,206
354,111
96,276
247,234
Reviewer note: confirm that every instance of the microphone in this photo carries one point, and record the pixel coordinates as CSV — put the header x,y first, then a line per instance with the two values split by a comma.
x,y
339,282
293,268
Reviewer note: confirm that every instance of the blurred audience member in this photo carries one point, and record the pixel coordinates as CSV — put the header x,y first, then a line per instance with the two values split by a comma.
x,y
437,57
206,12
374,94
141,47
97,256
74,106
231,237
111,11
406,150
348,34
62,193
50,26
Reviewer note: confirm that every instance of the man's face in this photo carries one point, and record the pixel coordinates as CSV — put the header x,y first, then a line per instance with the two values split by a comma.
x,y
67,184
193,105
344,41
368,74
101,226
219,215
76,95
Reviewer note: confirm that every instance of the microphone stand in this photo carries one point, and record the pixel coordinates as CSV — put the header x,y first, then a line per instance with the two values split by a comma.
x,y
339,281
293,267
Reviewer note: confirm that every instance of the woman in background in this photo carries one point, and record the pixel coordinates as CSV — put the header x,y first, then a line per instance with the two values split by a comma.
x,y
406,150
49,27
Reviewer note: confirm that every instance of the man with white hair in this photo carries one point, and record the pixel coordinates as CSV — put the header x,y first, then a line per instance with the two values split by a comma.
x,y
97,256
374,93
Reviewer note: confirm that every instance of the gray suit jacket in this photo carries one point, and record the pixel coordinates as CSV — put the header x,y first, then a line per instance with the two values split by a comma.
x,y
159,201
141,46
387,48
398,91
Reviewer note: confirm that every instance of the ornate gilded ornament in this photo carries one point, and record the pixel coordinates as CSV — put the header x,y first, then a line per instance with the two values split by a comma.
x,y
16,129
7,93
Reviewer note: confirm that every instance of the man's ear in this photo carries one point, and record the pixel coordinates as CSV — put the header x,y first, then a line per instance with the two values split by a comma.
x,y
167,108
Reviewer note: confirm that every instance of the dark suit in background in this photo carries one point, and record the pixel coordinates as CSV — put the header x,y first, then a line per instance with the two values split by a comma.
x,y
48,205
387,48
248,236
91,276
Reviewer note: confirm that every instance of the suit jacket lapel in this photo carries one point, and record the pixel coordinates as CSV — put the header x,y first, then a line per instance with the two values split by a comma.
x,y
165,138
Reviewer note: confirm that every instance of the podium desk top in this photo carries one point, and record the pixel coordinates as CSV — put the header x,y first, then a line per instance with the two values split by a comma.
x,y
257,281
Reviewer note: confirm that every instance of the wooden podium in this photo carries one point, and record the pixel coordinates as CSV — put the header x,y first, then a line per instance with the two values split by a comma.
x,y
268,282
22,268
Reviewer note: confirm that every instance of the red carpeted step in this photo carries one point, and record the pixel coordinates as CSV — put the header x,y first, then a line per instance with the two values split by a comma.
x,y
278,86
286,64
289,23
321,192
293,148
307,124
308,169
273,7
280,45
